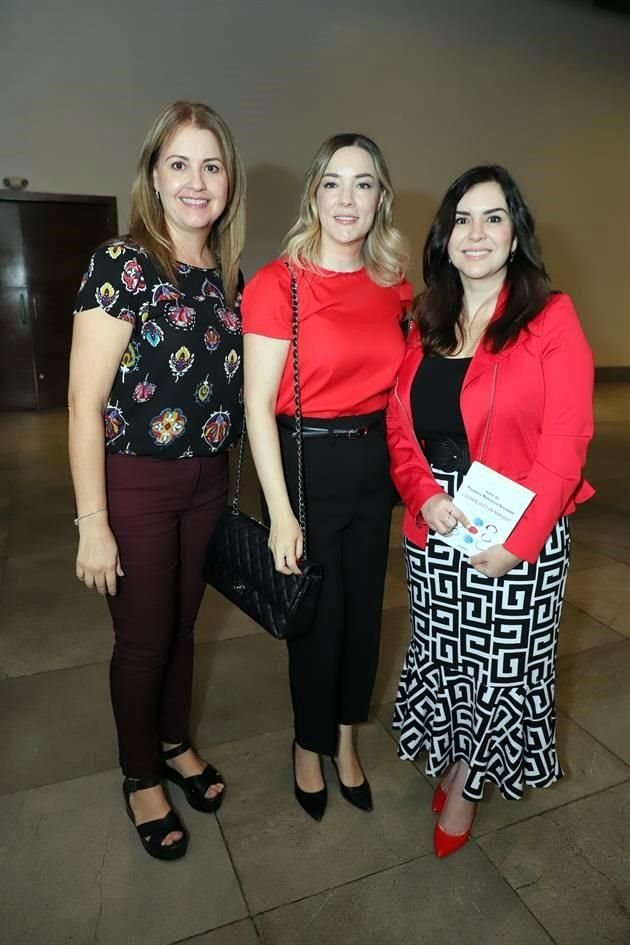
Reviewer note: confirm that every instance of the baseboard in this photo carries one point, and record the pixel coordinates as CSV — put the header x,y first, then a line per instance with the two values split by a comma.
x,y
612,375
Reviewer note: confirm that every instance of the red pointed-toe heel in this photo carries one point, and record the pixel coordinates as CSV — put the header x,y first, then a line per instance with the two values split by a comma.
x,y
446,843
439,799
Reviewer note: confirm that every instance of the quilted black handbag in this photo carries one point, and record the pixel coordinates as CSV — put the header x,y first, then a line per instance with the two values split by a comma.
x,y
239,563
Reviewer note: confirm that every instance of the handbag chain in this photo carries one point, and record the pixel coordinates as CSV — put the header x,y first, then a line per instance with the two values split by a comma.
x,y
298,425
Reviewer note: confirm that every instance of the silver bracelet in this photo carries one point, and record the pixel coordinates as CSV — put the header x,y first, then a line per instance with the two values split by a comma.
x,y
87,515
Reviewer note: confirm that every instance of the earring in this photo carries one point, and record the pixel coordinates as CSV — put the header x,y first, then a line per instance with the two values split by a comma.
x,y
512,255
450,261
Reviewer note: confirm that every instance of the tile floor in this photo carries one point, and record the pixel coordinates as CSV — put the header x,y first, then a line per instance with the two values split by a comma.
x,y
554,868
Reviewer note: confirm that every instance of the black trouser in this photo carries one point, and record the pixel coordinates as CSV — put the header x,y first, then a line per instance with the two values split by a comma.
x,y
348,501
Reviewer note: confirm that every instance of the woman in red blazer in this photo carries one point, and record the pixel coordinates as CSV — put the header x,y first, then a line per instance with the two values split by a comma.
x,y
498,370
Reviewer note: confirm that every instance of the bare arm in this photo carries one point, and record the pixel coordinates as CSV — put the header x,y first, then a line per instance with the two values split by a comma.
x,y
98,343
264,360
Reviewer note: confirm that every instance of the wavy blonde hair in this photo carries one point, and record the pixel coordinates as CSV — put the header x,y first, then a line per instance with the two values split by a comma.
x,y
147,225
385,253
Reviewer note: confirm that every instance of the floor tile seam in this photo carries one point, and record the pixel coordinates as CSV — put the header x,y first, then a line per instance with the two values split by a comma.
x,y
552,810
58,669
576,569
594,649
601,623
88,774
50,784
234,867
603,567
606,554
61,669
589,567
342,885
202,748
235,741
104,662
594,737
520,898
416,771
64,669
218,928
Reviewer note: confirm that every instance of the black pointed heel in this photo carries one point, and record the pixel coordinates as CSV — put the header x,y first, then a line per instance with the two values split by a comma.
x,y
313,802
194,787
359,796
153,832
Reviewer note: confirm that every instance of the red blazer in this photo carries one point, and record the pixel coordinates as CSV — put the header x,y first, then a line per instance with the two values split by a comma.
x,y
528,414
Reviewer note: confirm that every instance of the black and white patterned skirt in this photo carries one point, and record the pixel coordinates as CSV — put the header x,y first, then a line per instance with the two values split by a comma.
x,y
478,681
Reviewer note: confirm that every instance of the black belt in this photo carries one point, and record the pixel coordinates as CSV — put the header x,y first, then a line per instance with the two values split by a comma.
x,y
449,453
348,433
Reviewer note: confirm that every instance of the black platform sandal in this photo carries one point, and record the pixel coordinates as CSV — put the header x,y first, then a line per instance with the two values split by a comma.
x,y
196,785
153,832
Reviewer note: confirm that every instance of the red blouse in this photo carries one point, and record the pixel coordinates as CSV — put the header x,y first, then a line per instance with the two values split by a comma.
x,y
350,339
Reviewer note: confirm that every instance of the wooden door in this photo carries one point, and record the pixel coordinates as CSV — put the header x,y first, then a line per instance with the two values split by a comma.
x,y
18,390
12,269
51,319
45,244
59,238
74,230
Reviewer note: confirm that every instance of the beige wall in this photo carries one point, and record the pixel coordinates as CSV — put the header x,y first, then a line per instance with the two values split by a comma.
x,y
542,86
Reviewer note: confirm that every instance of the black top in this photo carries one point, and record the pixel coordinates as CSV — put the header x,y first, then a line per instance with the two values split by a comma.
x,y
435,397
179,389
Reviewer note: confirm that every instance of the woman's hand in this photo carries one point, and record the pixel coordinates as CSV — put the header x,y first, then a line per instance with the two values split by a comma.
x,y
495,562
441,515
286,543
98,562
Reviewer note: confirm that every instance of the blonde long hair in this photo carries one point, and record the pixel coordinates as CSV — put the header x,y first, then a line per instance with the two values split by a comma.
x,y
147,225
385,253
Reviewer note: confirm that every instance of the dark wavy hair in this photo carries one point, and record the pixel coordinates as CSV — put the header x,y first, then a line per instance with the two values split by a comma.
x,y
438,310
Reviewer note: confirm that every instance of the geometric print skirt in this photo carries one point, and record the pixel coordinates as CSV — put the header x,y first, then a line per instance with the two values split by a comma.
x,y
478,681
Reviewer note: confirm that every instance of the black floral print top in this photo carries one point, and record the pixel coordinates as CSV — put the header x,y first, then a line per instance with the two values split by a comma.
x,y
179,388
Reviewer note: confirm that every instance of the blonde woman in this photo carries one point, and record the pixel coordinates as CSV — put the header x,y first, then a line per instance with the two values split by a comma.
x,y
155,402
349,262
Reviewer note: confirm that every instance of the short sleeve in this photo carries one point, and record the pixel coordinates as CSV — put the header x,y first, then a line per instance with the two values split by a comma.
x,y
115,282
266,304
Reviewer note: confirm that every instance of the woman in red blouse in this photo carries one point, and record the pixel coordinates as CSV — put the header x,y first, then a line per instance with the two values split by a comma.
x,y
497,370
349,263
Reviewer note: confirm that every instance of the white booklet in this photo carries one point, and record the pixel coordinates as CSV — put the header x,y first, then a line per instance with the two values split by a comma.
x,y
493,504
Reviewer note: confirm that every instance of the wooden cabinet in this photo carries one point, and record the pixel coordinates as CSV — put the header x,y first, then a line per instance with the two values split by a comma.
x,y
45,245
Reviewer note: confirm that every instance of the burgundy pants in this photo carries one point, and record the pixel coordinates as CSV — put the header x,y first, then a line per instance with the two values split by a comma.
x,y
162,513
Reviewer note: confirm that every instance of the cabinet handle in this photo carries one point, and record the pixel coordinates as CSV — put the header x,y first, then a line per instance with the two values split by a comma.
x,y
35,312
23,304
